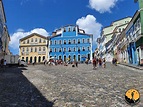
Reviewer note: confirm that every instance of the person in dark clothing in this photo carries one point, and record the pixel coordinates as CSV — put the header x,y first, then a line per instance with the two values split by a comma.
x,y
94,63
100,62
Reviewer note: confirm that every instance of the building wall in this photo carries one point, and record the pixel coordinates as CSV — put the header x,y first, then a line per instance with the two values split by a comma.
x,y
74,45
34,49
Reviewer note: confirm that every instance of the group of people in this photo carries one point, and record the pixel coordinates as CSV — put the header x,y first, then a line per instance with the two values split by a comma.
x,y
100,62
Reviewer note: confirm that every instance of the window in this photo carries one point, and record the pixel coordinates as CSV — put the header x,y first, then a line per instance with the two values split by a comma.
x,y
88,48
27,41
60,42
78,41
44,41
50,50
23,50
69,41
23,42
87,40
64,30
39,48
69,30
55,50
60,50
78,49
64,41
74,29
74,49
35,49
82,40
35,39
64,49
44,49
69,49
31,49
74,41
50,42
27,49
55,42
40,40
31,39
83,49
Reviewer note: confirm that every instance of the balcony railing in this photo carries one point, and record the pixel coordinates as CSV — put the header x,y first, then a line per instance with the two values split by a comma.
x,y
41,53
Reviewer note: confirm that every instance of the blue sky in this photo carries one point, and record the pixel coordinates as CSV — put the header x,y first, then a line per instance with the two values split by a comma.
x,y
44,16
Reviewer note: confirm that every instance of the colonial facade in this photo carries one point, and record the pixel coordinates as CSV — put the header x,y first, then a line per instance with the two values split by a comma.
x,y
107,41
34,48
71,42
4,35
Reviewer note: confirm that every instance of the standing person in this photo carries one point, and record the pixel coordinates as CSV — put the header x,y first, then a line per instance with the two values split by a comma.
x,y
94,63
100,62
33,63
75,62
104,63
4,63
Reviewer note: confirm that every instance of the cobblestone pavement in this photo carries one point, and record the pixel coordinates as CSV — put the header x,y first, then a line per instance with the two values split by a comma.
x,y
61,86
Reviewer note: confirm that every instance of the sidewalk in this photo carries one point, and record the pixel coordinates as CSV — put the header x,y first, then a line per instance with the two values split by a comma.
x,y
133,66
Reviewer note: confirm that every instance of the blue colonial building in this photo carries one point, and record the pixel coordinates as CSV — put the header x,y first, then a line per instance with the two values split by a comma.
x,y
71,42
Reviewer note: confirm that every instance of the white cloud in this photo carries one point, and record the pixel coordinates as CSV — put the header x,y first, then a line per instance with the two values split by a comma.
x,y
20,33
102,5
90,25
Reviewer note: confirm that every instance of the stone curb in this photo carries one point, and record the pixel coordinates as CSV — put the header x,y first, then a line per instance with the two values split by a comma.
x,y
136,67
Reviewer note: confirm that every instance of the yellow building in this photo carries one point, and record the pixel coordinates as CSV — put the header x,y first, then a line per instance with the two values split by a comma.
x,y
34,48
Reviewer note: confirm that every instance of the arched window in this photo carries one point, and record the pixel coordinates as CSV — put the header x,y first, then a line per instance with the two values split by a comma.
x,y
74,49
60,50
78,41
69,49
50,50
50,42
35,59
43,58
69,41
64,49
39,59
64,41
83,49
55,42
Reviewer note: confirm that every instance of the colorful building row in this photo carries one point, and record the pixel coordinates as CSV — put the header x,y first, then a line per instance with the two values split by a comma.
x,y
68,42
126,46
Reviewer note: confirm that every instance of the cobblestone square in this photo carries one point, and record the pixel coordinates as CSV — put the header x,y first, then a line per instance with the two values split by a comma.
x,y
67,86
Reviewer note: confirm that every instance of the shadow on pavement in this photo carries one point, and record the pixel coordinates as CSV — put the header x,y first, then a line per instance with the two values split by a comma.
x,y
17,91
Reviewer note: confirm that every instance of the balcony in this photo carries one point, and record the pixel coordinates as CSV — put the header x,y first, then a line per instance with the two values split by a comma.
x,y
41,53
